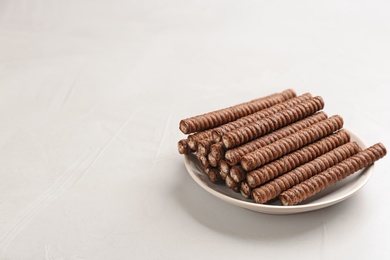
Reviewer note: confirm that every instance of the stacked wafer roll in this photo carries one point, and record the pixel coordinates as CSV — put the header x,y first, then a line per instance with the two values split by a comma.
x,y
278,146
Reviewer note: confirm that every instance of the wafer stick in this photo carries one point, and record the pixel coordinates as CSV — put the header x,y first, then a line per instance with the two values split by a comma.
x,y
203,161
213,174
204,147
183,147
292,160
237,173
223,174
291,143
245,190
212,160
217,150
325,179
256,129
224,167
223,116
218,132
230,183
193,139
233,156
275,187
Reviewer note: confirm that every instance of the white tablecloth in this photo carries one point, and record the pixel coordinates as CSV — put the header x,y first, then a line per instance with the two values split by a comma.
x,y
91,95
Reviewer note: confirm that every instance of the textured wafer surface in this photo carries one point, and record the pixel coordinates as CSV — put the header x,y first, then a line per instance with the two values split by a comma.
x,y
297,158
325,179
259,128
234,155
273,188
291,143
218,132
222,116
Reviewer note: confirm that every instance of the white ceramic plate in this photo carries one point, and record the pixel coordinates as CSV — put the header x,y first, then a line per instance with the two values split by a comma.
x,y
334,194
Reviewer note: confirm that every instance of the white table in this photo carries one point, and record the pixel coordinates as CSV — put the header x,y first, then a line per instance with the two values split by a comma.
x,y
91,95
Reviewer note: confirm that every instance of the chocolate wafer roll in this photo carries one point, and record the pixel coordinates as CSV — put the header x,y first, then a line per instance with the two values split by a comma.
x,y
273,188
203,161
193,139
230,183
183,147
212,160
223,116
325,179
245,190
204,147
217,150
224,167
292,160
218,132
237,173
223,174
256,129
213,174
233,156
291,143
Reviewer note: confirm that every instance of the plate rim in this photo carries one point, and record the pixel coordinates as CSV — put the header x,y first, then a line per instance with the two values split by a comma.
x,y
280,209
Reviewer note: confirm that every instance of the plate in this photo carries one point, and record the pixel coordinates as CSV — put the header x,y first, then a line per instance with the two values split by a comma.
x,y
330,196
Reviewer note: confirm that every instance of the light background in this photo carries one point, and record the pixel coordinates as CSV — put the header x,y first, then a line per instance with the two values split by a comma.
x,y
91,94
